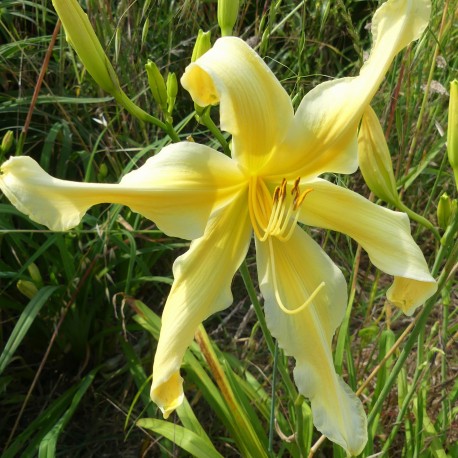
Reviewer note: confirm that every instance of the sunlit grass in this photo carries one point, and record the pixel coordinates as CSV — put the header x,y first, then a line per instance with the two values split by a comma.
x,y
76,357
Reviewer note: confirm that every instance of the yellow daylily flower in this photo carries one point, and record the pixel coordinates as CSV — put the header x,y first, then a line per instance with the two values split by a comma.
x,y
270,183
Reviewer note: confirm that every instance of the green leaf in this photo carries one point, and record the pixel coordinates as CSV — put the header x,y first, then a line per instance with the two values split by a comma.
x,y
23,324
184,438
48,443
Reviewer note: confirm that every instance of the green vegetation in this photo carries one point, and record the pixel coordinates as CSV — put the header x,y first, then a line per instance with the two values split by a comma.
x,y
80,311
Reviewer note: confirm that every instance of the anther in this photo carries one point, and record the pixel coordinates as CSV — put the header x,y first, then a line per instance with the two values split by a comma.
x,y
281,219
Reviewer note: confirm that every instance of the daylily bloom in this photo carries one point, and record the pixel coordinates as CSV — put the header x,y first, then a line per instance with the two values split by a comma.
x,y
268,185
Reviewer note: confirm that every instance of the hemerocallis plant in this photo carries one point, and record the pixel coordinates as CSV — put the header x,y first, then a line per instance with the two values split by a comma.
x,y
268,185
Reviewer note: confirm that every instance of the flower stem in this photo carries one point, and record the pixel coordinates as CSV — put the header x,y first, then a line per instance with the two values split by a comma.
x,y
419,219
446,250
207,121
272,406
141,114
267,336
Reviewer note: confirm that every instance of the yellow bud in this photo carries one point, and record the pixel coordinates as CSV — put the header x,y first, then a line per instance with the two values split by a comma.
x,y
374,158
228,11
81,36
7,142
156,84
27,288
172,91
452,130
202,45
446,210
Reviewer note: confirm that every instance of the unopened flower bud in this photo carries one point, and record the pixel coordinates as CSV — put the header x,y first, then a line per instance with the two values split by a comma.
x,y
103,172
172,91
452,130
446,210
81,36
202,45
375,160
228,11
35,274
27,288
7,142
157,84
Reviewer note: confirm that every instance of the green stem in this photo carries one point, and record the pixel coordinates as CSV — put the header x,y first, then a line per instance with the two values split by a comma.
x,y
446,249
207,121
141,114
402,412
262,323
272,406
300,427
419,219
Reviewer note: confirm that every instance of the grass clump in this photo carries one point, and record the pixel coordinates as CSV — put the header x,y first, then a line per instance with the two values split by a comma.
x,y
77,338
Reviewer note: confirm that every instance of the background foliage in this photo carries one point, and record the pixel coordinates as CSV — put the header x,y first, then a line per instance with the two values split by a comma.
x,y
77,340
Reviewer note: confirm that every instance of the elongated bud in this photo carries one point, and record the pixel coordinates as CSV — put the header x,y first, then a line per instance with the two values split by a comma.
x,y
228,11
374,158
27,288
103,172
157,84
7,142
172,91
202,45
452,130
35,274
446,210
81,36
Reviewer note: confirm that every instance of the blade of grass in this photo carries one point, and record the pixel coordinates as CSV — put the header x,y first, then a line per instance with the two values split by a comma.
x,y
48,444
184,438
23,324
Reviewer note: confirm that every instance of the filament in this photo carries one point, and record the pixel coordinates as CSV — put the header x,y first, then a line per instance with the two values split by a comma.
x,y
279,300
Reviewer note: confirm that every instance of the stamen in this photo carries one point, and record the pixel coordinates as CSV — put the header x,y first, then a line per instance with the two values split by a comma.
x,y
275,218
305,304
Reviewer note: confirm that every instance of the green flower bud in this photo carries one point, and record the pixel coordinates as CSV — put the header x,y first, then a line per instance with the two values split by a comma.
x,y
446,210
202,45
228,11
35,274
157,84
375,160
81,36
452,130
7,141
103,172
27,288
172,91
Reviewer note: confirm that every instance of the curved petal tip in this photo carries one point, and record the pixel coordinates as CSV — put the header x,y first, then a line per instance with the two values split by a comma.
x,y
168,395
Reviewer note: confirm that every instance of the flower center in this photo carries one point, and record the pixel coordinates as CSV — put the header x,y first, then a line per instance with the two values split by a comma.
x,y
277,215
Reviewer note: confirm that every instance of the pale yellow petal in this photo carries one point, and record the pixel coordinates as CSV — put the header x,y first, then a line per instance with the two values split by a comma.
x,y
290,273
254,107
178,189
383,233
322,136
201,287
